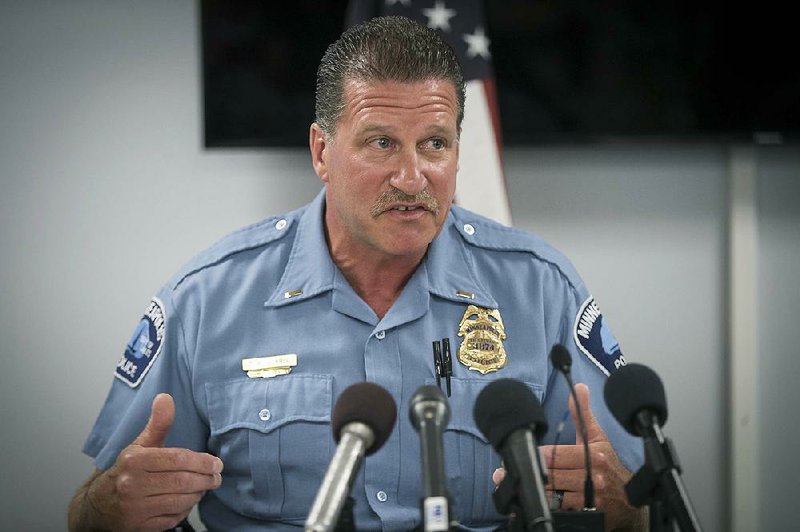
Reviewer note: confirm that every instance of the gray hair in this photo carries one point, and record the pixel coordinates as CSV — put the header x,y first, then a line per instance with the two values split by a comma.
x,y
384,49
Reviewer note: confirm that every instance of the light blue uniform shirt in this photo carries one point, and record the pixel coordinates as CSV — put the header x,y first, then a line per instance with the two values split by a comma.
x,y
234,301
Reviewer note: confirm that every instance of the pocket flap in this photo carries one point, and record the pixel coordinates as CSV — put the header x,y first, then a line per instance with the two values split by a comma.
x,y
267,404
464,392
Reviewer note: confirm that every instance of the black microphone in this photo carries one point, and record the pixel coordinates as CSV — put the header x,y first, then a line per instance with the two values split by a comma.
x,y
562,361
511,417
430,414
362,420
635,396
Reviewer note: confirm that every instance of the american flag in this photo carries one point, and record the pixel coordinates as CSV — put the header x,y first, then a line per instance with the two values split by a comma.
x,y
481,184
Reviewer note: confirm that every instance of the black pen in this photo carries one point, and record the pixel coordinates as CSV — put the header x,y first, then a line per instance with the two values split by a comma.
x,y
448,362
437,362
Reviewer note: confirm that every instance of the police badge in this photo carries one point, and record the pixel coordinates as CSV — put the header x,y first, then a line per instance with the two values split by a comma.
x,y
482,348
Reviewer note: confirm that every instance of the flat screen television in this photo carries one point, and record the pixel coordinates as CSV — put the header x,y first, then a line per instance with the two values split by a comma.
x,y
566,70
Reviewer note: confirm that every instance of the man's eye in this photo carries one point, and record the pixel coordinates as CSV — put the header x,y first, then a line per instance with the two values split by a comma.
x,y
382,143
436,144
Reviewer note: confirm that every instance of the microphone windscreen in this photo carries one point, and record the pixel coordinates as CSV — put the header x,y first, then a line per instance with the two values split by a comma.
x,y
561,358
428,393
632,389
504,406
366,403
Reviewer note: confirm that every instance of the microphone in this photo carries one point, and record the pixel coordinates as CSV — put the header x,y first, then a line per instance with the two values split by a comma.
x,y
635,396
562,361
511,417
430,414
362,420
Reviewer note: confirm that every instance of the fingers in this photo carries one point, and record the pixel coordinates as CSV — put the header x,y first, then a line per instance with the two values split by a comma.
x,y
570,501
174,483
162,415
164,512
162,522
170,459
498,476
594,432
567,456
180,504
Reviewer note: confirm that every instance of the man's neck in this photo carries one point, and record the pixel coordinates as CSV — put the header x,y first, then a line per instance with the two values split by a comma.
x,y
378,282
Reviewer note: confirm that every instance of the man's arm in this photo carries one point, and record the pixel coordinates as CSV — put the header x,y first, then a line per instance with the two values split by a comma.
x,y
149,487
80,510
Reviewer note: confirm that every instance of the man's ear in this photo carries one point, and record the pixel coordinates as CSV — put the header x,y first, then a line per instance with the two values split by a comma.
x,y
318,144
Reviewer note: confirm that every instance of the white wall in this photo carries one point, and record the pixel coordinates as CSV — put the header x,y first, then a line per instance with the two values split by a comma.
x,y
105,190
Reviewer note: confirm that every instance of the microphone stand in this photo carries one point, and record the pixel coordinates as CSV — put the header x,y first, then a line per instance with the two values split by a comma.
x,y
507,499
658,484
346,522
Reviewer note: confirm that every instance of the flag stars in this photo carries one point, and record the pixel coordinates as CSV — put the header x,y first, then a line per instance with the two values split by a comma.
x,y
477,44
439,16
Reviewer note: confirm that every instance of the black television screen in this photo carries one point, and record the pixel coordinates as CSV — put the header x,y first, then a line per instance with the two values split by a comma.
x,y
566,71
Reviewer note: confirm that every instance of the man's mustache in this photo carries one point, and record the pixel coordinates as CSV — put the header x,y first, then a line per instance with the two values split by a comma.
x,y
395,196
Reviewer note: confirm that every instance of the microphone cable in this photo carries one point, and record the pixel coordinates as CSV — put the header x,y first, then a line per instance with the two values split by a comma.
x,y
555,502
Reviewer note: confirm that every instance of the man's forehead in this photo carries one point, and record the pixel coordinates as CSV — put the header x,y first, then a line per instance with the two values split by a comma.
x,y
425,96
355,88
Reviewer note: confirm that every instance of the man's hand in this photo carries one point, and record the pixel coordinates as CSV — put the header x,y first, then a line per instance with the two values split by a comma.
x,y
149,487
608,474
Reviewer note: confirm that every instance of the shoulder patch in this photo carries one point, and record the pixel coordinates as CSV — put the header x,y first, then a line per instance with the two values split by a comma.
x,y
144,346
595,339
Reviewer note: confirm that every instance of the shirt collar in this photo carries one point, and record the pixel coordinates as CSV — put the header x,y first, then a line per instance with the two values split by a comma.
x,y
451,268
447,271
310,270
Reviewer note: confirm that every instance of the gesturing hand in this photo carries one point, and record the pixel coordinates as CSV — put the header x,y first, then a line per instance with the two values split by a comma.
x,y
608,474
151,487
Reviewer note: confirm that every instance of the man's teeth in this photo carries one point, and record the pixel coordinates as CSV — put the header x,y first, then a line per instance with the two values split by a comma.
x,y
404,208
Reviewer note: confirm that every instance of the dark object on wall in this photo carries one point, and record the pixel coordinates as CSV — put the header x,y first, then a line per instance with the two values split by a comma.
x,y
566,71
260,66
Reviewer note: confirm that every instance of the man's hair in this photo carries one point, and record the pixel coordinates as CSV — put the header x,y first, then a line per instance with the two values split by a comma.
x,y
383,49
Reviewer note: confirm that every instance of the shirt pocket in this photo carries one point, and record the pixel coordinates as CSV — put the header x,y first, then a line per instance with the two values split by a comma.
x,y
274,437
469,457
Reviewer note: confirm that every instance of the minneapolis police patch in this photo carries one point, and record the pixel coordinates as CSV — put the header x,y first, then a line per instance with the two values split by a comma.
x,y
144,346
595,339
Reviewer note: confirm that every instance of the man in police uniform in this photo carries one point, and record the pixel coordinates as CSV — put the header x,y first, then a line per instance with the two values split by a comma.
x,y
240,357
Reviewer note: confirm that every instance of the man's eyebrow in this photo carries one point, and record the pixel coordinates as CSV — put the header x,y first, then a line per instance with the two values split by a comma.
x,y
389,129
376,128
440,130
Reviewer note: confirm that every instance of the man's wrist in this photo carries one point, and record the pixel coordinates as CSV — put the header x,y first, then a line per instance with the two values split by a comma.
x,y
639,521
84,513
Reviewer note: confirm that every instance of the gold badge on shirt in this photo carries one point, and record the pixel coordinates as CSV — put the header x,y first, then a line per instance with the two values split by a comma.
x,y
482,348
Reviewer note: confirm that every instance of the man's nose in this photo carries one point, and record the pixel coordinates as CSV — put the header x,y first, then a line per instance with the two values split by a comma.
x,y
409,176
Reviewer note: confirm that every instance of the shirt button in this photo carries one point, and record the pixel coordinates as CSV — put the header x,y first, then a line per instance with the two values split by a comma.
x,y
264,415
280,225
469,229
382,496
380,335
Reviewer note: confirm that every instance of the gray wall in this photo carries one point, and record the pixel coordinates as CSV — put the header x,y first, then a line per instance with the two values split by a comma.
x,y
645,226
779,341
106,191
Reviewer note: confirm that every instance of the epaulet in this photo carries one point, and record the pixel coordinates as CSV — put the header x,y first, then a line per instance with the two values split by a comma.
x,y
482,232
252,236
